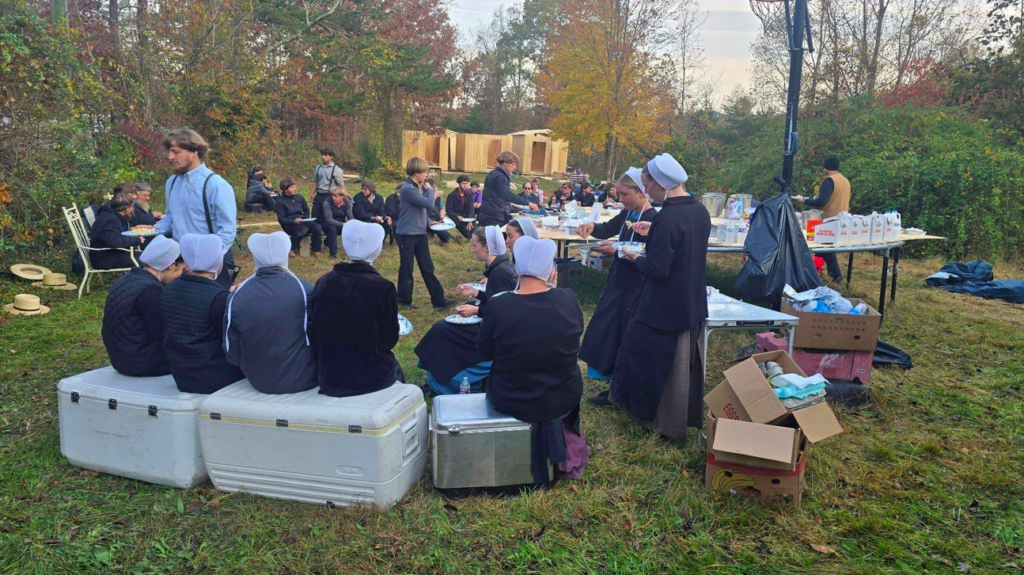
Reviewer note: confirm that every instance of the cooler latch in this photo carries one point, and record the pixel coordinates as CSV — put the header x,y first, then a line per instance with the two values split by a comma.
x,y
112,404
75,396
152,410
214,416
282,423
355,429
454,430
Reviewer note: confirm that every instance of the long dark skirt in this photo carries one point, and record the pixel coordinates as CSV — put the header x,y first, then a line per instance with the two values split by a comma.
x,y
659,378
604,332
447,349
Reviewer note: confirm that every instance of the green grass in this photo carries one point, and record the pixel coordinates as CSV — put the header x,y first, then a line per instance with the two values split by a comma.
x,y
926,478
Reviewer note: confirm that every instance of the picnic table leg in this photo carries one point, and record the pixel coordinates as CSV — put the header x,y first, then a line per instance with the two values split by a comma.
x,y
849,271
895,273
885,279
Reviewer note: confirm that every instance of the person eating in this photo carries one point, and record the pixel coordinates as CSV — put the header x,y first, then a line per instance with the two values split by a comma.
x,y
561,196
370,208
354,319
335,211
531,336
448,351
193,315
291,211
133,327
585,197
144,214
659,376
277,360
518,228
604,332
109,248
460,207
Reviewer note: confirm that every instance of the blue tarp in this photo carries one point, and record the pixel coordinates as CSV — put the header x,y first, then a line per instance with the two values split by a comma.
x,y
975,278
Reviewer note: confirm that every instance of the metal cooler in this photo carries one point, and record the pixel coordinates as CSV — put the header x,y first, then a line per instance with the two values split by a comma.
x,y
475,445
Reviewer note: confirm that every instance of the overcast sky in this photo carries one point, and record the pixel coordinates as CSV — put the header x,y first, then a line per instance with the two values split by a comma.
x,y
727,34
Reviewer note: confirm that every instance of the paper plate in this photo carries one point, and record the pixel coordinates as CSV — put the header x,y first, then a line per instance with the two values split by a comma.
x,y
469,220
445,225
309,219
146,234
404,325
478,286
459,320
539,213
635,247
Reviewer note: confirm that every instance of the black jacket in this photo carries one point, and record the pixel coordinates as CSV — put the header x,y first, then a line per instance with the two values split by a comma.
x,y
133,330
501,277
256,190
193,314
364,209
462,207
585,200
353,328
142,217
496,198
673,295
106,233
393,207
533,341
290,208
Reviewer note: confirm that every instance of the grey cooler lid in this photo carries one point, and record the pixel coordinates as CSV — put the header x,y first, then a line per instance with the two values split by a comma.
x,y
470,411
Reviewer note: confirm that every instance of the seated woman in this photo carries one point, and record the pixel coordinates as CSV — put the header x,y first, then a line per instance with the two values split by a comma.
x,y
193,315
448,351
110,249
133,328
354,319
535,376
280,359
336,211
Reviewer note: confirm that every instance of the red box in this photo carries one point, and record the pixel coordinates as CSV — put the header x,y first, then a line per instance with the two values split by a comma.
x,y
838,365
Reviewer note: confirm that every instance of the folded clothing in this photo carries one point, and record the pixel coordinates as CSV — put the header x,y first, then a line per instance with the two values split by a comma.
x,y
790,385
793,403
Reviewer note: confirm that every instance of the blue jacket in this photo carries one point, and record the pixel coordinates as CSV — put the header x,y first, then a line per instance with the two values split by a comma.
x,y
416,202
497,196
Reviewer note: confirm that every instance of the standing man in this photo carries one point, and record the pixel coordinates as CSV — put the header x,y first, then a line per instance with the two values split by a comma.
x,y
326,176
411,233
498,192
833,199
198,200
460,206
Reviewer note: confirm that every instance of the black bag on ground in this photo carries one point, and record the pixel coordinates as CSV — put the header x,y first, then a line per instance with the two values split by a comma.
x,y
777,254
847,392
888,354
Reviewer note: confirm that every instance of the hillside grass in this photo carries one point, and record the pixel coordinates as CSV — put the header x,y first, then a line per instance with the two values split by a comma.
x,y
926,478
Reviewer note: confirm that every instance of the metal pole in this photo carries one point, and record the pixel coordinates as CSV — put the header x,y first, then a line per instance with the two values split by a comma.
x,y
796,27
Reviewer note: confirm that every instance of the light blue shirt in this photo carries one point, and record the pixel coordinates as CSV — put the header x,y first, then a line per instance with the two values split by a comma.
x,y
185,213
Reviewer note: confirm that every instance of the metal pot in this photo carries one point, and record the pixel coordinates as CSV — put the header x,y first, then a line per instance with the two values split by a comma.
x,y
714,202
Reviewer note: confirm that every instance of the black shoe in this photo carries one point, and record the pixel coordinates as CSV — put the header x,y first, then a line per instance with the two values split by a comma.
x,y
445,305
600,400
407,305
333,256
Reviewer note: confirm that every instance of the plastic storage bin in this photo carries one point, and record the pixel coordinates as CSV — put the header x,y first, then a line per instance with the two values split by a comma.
x,y
137,427
361,450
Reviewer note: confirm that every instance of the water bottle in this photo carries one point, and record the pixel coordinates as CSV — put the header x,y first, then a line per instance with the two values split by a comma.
x,y
464,386
730,233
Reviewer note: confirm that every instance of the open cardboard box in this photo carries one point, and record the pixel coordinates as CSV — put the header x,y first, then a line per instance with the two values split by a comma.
x,y
838,331
748,425
769,486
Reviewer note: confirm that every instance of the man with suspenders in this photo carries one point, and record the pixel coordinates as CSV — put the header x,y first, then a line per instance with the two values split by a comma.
x,y
198,200
326,176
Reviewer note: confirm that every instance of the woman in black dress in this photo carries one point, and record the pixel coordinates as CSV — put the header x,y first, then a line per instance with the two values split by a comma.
x,y
448,351
659,376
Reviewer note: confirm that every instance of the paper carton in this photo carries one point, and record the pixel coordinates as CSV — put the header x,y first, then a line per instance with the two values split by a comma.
x,y
831,232
893,226
769,486
877,228
860,231
839,331
746,395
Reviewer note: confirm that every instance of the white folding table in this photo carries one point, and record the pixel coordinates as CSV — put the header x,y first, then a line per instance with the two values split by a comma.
x,y
725,312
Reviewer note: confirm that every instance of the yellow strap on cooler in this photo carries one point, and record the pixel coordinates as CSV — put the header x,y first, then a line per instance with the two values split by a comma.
x,y
320,428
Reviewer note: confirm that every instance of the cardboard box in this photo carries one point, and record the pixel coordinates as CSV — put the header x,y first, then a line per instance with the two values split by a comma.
x,y
746,395
834,365
840,331
769,486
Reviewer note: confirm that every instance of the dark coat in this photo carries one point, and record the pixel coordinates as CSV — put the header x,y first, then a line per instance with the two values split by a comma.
x,y
142,217
353,328
462,207
133,330
496,198
365,209
290,208
106,233
393,207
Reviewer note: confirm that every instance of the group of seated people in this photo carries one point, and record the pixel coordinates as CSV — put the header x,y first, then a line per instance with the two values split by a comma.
x,y
129,207
583,194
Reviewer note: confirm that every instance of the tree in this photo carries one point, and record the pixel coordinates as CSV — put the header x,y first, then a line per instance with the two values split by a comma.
x,y
604,78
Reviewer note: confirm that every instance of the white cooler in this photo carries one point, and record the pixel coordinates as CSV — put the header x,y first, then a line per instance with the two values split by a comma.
x,y
362,450
137,427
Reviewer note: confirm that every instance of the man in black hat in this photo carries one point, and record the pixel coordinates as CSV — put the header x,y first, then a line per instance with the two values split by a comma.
x,y
833,199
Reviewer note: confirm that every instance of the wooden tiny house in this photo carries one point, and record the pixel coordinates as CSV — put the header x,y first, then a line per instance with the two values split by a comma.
x,y
453,152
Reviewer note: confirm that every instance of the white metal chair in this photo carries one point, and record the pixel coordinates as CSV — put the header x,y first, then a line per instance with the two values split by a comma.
x,y
81,237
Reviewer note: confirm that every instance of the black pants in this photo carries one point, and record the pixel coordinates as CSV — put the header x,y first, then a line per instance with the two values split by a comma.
x,y
417,246
318,205
463,228
299,231
266,200
332,232
443,235
227,275
832,263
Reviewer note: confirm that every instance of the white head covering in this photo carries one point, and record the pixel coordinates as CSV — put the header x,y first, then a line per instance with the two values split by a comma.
x,y
362,241
635,174
666,171
529,228
495,241
161,253
202,252
535,257
269,250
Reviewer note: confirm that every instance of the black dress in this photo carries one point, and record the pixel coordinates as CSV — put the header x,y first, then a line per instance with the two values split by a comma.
x,y
447,348
668,315
604,332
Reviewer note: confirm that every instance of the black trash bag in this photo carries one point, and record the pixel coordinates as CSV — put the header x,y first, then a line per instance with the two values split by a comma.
x,y
849,393
888,354
777,254
955,273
